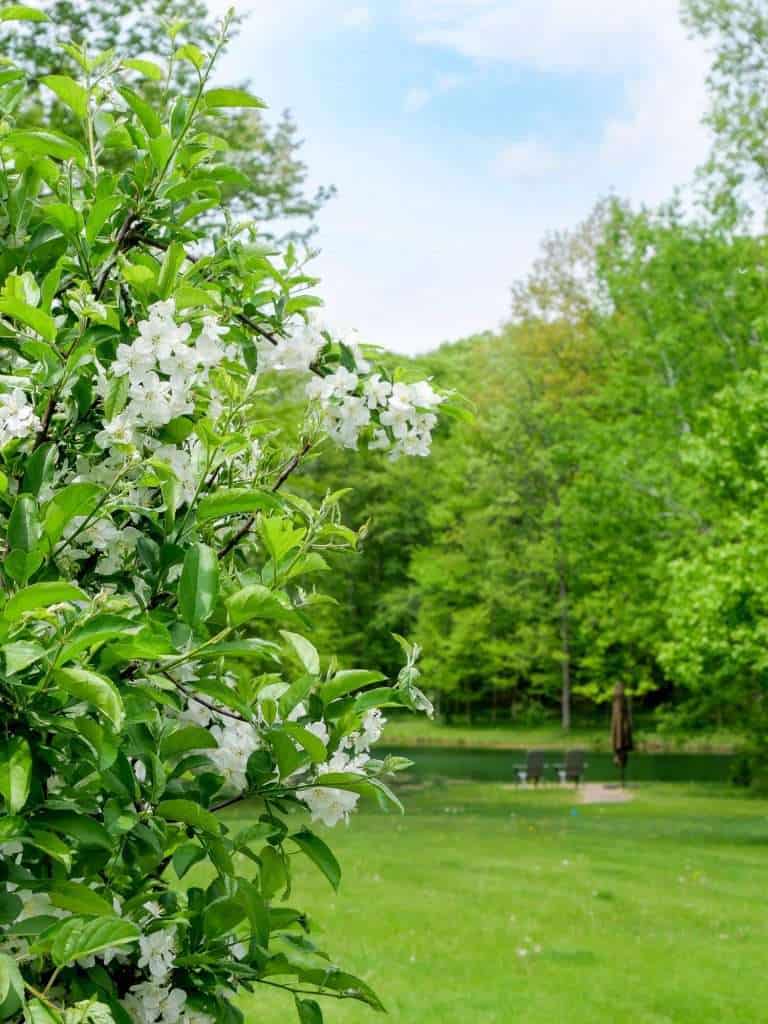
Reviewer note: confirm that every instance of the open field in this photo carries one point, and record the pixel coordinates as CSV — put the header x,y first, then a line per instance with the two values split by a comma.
x,y
420,731
486,905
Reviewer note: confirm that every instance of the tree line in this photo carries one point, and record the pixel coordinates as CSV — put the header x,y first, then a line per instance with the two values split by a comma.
x,y
600,515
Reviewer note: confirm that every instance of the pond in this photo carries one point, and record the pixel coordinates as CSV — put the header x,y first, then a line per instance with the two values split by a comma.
x,y
502,765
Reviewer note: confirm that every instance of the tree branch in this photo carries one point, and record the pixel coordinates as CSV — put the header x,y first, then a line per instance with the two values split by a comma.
x,y
206,704
286,471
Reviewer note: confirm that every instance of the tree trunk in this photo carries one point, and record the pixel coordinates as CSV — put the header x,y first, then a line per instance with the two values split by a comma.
x,y
565,650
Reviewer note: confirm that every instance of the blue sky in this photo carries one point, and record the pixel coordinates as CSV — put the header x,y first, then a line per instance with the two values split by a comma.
x,y
458,132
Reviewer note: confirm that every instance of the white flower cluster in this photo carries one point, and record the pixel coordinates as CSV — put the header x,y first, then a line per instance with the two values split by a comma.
x,y
17,417
331,805
161,367
349,404
296,352
236,740
102,536
155,1001
351,400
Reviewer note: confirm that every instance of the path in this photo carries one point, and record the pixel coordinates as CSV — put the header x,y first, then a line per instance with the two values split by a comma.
x,y
599,793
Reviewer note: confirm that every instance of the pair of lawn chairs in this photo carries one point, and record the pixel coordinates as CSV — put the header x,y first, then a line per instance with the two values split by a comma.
x,y
571,769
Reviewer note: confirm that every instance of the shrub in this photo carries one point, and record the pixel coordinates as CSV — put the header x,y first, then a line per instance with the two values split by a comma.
x,y
158,576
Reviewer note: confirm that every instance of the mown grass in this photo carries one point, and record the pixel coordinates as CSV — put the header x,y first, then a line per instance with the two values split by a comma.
x,y
486,905
416,731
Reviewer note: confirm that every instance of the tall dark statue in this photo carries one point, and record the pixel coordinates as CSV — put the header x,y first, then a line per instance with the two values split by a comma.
x,y
621,730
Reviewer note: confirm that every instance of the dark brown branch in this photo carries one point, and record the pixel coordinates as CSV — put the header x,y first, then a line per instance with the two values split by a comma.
x,y
206,704
124,240
285,472
126,237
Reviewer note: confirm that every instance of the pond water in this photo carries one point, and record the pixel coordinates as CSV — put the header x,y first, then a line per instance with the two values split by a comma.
x,y
502,765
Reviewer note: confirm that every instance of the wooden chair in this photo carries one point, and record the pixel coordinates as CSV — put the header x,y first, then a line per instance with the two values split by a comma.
x,y
573,767
533,769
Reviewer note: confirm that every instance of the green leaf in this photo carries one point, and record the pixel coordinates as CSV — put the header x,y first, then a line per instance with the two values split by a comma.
x,y
73,500
50,844
319,854
46,143
191,53
20,12
143,111
94,689
199,584
257,912
216,98
80,899
222,916
191,737
67,219
36,1012
116,396
99,214
15,773
21,654
41,595
11,987
351,986
313,745
348,680
234,502
287,756
189,813
147,68
96,631
273,876
81,828
255,602
306,652
309,1011
69,92
21,565
39,469
80,936
186,857
24,524
39,321
172,260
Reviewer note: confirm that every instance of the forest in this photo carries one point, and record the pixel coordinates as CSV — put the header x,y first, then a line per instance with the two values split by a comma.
x,y
597,513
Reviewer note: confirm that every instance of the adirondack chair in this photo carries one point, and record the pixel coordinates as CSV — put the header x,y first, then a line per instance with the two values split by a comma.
x,y
573,767
533,769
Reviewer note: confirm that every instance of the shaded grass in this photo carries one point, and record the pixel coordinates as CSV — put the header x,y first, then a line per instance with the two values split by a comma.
x,y
649,912
415,731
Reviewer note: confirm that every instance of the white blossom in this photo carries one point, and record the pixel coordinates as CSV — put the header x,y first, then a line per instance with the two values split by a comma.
x,y
237,741
157,952
372,728
151,1002
377,391
17,417
328,804
296,352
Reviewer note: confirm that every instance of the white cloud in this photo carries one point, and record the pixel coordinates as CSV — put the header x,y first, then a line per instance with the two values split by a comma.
x,y
419,96
357,17
419,247
548,35
416,99
528,160
659,140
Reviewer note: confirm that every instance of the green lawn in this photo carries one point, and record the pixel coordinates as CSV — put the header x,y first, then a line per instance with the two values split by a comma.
x,y
417,730
486,905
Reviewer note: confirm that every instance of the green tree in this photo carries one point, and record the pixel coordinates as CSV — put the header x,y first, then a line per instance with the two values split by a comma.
x,y
736,32
268,177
